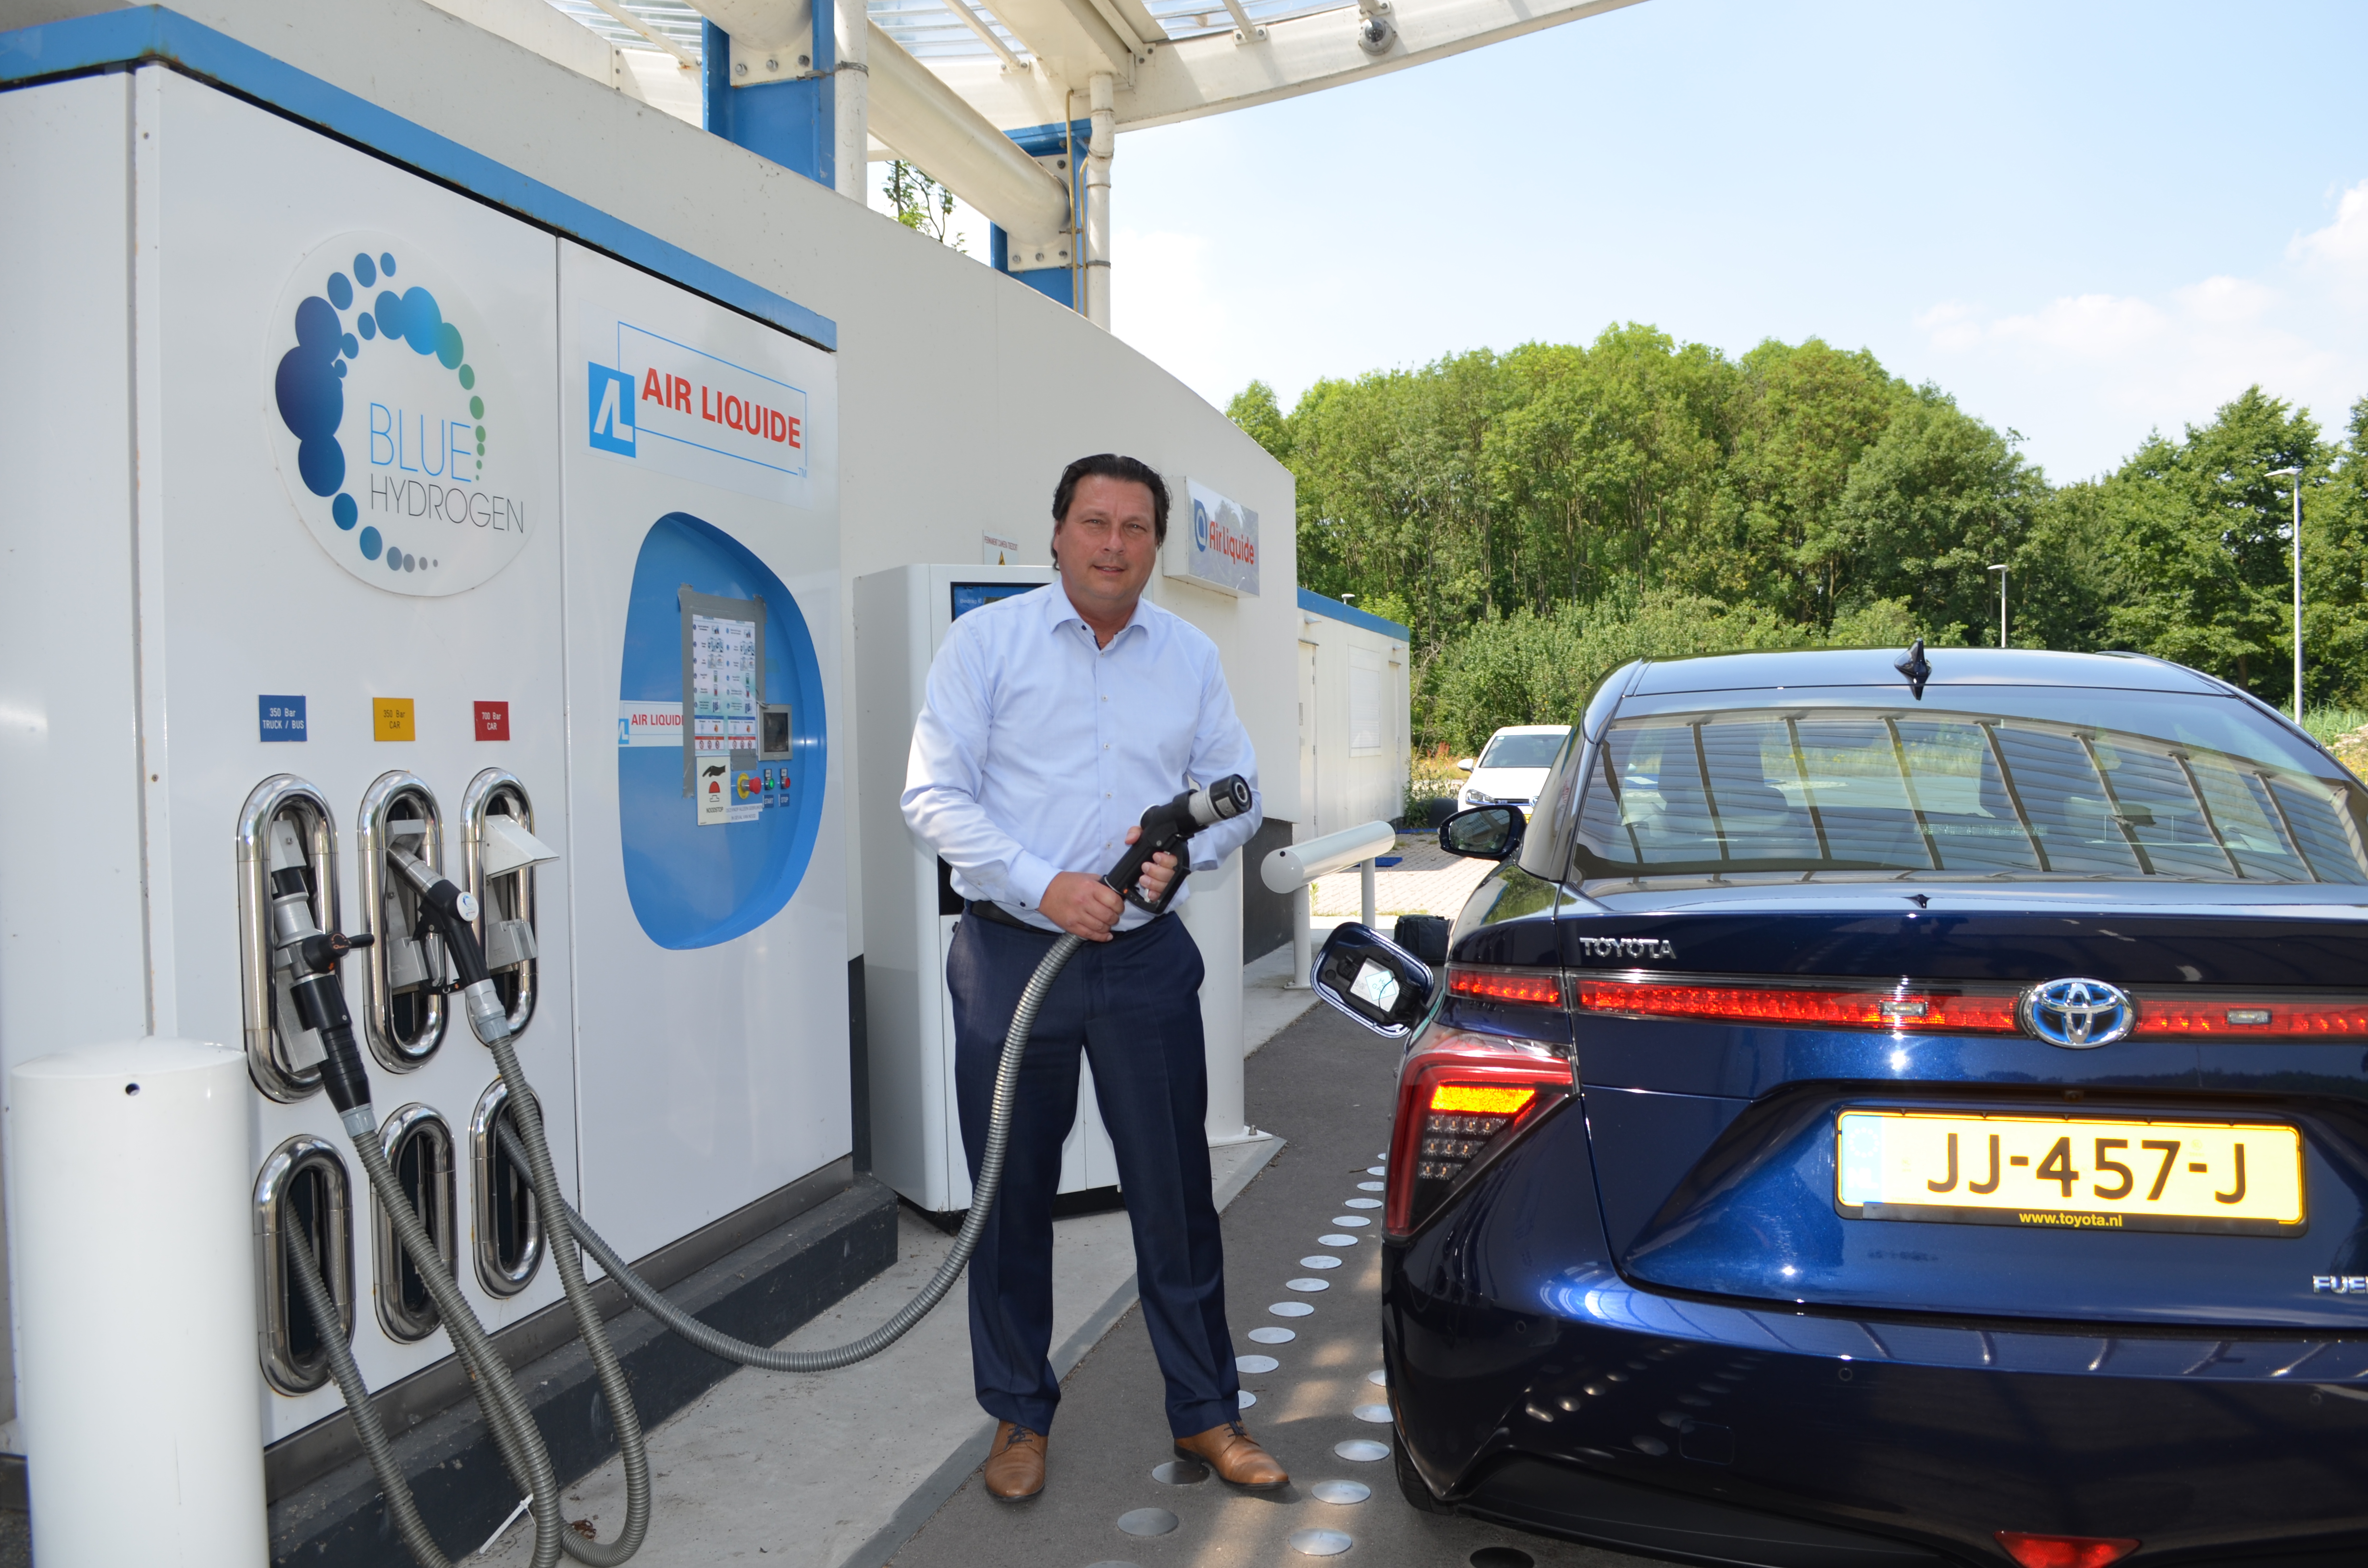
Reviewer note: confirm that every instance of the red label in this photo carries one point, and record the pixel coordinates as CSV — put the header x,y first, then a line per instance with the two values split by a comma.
x,y
493,721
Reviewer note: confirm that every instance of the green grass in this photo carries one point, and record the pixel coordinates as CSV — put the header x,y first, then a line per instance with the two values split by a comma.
x,y
2326,725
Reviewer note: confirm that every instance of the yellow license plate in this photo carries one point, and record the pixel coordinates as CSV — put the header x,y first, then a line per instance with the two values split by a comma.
x,y
2070,1173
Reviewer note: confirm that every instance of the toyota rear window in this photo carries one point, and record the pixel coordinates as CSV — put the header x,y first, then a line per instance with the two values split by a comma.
x,y
2179,788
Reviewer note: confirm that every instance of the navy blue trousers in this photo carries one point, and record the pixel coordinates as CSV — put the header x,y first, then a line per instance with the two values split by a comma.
x,y
1132,1005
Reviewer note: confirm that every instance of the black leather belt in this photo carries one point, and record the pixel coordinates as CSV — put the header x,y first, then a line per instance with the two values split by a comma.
x,y
996,914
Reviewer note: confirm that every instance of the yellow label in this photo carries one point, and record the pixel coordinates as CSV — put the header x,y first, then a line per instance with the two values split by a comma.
x,y
390,719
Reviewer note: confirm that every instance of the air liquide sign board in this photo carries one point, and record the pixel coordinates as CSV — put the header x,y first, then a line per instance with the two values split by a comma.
x,y
685,409
1219,548
396,427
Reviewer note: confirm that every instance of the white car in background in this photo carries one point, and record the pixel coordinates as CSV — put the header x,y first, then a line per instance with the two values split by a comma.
x,y
1511,767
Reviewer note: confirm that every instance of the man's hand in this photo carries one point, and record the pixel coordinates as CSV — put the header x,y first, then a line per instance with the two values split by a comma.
x,y
1082,906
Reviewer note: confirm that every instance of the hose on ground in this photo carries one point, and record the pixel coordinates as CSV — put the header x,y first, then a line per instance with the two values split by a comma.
x,y
983,1195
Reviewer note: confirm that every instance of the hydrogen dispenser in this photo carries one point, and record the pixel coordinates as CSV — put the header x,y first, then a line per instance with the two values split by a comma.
x,y
362,521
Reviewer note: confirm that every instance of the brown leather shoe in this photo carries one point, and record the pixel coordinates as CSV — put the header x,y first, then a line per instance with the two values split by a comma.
x,y
1014,1466
1236,1456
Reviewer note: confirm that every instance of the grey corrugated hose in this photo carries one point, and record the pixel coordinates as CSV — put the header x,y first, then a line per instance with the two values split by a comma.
x,y
990,1179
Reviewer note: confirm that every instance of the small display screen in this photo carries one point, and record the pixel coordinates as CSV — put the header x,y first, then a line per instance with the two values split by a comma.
x,y
968,596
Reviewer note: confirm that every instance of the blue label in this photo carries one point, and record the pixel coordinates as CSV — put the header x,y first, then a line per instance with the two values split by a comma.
x,y
610,399
279,718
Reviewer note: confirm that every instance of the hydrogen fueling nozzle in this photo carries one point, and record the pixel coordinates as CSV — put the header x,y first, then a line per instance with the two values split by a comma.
x,y
312,956
1165,829
454,913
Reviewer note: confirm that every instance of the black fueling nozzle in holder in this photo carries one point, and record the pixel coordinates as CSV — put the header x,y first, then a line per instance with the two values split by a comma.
x,y
454,913
312,987
1166,828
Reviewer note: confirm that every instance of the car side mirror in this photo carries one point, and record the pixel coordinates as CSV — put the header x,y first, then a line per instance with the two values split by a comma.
x,y
1467,763
1374,981
1483,833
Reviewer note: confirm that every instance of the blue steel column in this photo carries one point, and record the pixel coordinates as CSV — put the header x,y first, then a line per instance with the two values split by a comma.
x,y
1054,283
792,123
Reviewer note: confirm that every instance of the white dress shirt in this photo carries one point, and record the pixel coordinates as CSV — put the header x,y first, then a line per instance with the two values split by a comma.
x,y
1036,750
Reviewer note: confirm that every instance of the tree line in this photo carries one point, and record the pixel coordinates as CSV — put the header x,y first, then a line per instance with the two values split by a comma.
x,y
1539,517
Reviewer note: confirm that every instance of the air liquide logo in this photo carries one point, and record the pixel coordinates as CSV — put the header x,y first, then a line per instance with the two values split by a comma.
x,y
1223,549
388,412
710,412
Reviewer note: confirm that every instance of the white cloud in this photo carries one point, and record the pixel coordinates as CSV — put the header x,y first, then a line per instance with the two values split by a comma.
x,y
2094,370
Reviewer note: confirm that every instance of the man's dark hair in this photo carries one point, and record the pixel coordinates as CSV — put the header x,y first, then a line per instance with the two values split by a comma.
x,y
1110,465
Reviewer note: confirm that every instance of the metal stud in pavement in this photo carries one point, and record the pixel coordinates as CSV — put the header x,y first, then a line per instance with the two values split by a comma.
x,y
1380,1376
1146,1521
1365,1451
1350,1221
1364,1203
1326,1260
1335,1241
1318,1543
1310,1285
1244,1399
1340,1492
1291,1309
1377,1170
1270,1336
1254,1363
1372,1187
1377,1413
1180,1472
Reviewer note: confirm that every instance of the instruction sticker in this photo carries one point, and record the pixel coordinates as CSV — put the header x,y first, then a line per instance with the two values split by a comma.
x,y
712,783
279,718
390,719
493,721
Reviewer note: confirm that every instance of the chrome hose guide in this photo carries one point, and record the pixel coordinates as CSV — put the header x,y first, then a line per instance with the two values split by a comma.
x,y
371,842
274,1346
270,1059
498,788
394,1315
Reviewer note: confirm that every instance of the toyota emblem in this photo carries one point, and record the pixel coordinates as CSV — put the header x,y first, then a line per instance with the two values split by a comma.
x,y
2078,1015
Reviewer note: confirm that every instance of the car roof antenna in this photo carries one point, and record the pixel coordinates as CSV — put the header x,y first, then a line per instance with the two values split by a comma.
x,y
1917,668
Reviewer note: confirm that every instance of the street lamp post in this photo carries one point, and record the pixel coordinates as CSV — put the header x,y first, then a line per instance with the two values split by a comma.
x,y
2296,474
2001,572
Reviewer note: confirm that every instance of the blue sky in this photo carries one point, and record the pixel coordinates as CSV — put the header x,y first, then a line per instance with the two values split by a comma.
x,y
2085,220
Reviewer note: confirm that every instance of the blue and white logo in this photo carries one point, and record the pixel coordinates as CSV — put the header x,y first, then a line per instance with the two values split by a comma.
x,y
611,402
2078,1015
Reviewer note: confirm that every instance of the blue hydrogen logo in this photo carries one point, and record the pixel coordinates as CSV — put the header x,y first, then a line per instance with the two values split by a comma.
x,y
382,419
1199,525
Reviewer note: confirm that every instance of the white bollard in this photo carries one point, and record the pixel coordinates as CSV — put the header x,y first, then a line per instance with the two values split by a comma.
x,y
133,1263
1303,958
1365,889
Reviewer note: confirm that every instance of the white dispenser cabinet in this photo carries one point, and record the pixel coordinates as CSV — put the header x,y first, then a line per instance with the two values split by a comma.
x,y
902,616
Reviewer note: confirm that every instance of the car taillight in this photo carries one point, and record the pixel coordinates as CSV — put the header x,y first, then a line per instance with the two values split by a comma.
x,y
1461,1102
2252,1017
2065,1551
1903,1006
1522,987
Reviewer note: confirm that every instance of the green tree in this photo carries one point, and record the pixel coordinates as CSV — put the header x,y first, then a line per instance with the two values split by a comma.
x,y
2201,573
921,203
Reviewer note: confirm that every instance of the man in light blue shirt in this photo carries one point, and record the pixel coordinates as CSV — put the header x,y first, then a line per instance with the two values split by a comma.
x,y
1052,719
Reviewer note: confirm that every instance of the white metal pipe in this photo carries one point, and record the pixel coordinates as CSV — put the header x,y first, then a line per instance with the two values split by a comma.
x,y
134,1284
1103,103
1296,865
851,102
1303,958
657,39
924,119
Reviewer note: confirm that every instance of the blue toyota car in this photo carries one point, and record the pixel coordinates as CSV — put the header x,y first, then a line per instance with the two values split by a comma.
x,y
1894,1110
